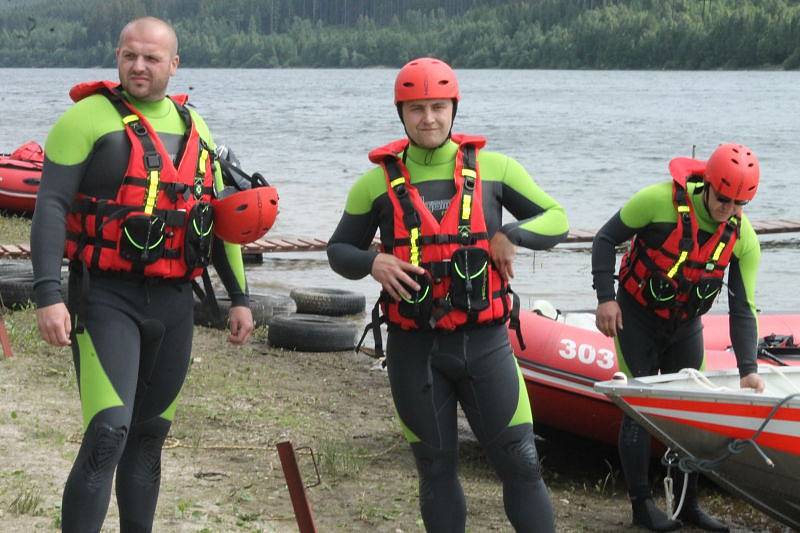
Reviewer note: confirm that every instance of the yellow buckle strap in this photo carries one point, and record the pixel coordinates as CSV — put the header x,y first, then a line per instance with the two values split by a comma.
x,y
152,191
201,163
397,181
674,270
129,118
467,172
414,242
466,207
683,209
718,251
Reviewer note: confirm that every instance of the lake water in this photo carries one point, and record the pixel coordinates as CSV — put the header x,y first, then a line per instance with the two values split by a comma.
x,y
589,138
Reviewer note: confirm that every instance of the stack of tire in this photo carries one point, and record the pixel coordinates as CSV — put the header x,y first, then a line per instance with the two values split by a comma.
x,y
16,284
263,306
320,324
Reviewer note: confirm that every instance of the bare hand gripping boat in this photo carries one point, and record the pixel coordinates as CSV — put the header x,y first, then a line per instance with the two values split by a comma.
x,y
748,443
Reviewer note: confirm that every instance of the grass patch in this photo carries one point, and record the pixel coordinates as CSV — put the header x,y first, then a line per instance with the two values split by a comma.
x,y
339,461
15,229
26,502
607,484
23,331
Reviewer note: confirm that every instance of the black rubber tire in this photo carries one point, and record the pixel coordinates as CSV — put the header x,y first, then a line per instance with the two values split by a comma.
x,y
263,306
330,302
311,333
16,285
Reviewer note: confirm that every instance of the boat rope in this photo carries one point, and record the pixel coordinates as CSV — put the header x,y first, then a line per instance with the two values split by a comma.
x,y
701,379
781,373
669,459
736,446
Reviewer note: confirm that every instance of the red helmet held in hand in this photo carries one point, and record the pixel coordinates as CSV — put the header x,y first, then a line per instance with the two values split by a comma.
x,y
425,78
243,217
733,171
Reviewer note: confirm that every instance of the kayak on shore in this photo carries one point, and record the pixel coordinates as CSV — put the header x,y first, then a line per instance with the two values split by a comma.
x,y
20,174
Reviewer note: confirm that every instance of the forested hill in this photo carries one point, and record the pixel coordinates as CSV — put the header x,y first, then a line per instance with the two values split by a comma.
x,y
605,34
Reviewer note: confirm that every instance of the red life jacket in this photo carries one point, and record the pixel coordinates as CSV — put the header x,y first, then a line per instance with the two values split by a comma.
x,y
159,224
680,279
421,240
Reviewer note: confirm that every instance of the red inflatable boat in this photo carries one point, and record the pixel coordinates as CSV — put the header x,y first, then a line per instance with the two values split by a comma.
x,y
20,173
564,357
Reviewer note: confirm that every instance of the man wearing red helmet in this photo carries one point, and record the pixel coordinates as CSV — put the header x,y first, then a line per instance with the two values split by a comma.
x,y
444,267
686,233
125,193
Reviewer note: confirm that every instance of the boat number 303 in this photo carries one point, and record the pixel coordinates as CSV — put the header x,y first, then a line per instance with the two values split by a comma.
x,y
586,354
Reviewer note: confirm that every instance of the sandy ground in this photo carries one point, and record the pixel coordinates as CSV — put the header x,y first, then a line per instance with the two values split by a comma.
x,y
221,471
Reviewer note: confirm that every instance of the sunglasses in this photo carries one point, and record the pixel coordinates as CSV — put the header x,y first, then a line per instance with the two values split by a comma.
x,y
725,200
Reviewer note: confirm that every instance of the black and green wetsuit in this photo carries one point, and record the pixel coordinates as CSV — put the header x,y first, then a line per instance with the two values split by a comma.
x,y
432,371
647,344
133,356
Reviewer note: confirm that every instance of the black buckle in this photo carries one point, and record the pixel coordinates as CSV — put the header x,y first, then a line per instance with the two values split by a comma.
x,y
411,220
152,161
400,190
439,269
138,128
469,183
464,235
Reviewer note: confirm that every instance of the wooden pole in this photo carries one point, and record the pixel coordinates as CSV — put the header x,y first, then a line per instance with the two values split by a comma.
x,y
4,341
297,491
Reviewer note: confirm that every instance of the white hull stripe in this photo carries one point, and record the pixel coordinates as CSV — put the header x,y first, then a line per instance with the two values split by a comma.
x,y
576,388
779,427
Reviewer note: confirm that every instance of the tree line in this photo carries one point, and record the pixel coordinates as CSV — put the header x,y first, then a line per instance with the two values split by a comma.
x,y
603,34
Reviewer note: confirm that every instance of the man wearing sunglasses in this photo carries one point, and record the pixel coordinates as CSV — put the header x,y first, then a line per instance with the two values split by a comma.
x,y
686,233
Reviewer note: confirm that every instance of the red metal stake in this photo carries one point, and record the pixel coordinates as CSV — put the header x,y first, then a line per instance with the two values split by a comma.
x,y
297,491
4,342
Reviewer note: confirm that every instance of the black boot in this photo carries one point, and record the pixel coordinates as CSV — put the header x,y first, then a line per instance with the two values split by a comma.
x,y
690,511
646,514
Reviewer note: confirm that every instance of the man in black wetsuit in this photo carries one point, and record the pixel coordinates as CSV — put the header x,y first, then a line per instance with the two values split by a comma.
x,y
444,269
125,192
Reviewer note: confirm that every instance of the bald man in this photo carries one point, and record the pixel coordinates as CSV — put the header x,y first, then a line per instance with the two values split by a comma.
x,y
125,196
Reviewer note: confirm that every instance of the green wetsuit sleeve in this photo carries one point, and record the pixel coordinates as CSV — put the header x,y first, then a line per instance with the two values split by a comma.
x,y
348,248
743,319
67,148
225,256
650,205
541,221
604,255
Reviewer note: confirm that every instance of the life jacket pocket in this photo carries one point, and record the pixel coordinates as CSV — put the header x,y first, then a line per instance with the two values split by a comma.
x,y
198,235
702,296
660,291
469,281
142,238
420,305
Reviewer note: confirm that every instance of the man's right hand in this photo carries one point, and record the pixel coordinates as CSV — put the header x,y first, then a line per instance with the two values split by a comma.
x,y
393,275
608,318
54,324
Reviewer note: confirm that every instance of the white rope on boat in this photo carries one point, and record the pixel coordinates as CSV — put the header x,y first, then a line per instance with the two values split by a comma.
x,y
700,379
781,373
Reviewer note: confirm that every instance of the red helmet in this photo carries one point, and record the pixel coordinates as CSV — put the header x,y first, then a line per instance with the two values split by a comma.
x,y
245,216
424,78
733,171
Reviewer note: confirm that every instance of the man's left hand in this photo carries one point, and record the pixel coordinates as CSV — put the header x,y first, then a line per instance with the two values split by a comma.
x,y
241,321
503,252
752,381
